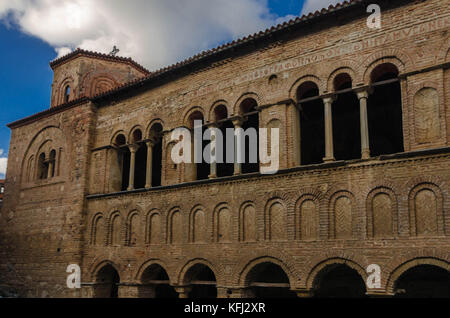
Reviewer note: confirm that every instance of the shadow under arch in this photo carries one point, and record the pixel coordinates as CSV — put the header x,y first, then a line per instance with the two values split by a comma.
x,y
337,278
268,280
155,282
420,278
107,281
200,278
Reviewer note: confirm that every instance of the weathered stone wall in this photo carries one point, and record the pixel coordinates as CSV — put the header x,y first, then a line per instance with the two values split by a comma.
x,y
42,221
89,76
392,211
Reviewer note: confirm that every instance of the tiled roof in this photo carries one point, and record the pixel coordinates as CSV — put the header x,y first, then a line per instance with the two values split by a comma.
x,y
102,56
299,21
233,44
46,112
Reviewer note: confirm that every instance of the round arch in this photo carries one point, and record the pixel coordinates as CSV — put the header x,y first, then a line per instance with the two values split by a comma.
x,y
96,267
242,98
183,276
304,79
244,272
401,269
338,71
380,61
147,264
332,261
215,105
189,112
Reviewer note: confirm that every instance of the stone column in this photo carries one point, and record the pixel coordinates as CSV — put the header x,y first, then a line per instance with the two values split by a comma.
x,y
148,176
133,150
329,146
50,168
128,290
237,166
213,164
365,148
183,292
239,293
222,292
303,293
87,290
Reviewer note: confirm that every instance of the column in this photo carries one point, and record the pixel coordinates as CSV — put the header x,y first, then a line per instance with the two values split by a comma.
x,y
222,292
148,175
237,166
128,290
87,290
213,164
133,150
303,293
365,147
183,292
51,164
329,147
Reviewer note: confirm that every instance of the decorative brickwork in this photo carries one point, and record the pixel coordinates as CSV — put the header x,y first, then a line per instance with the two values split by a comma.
x,y
92,182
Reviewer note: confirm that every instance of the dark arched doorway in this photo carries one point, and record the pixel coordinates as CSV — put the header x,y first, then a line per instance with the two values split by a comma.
x,y
339,281
202,281
268,280
423,281
156,283
107,283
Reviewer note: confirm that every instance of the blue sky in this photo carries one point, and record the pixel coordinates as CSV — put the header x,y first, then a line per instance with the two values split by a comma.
x,y
28,45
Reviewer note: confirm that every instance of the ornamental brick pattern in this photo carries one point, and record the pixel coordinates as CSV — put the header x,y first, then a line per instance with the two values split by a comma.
x,y
319,79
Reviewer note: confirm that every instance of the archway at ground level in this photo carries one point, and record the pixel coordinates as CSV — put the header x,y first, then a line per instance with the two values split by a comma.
x,y
339,281
202,282
268,280
156,283
107,281
423,281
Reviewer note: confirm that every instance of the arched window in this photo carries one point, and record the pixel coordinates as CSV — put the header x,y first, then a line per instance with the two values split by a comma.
x,y
156,144
121,163
140,165
385,111
42,170
346,120
220,116
312,129
249,112
197,171
67,94
52,164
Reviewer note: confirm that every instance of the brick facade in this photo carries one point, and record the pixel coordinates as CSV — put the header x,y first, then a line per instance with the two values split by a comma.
x,y
389,208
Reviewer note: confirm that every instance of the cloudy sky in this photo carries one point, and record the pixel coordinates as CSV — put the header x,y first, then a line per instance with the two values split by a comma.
x,y
155,33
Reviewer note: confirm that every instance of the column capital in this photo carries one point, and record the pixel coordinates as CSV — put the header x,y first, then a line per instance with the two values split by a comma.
x,y
364,92
238,121
150,142
183,291
328,99
379,294
303,293
213,125
133,148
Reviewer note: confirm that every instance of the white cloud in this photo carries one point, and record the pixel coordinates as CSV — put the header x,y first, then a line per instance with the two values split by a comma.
x,y
314,5
3,163
153,32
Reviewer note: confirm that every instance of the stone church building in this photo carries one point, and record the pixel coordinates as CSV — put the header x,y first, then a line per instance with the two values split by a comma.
x,y
364,179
